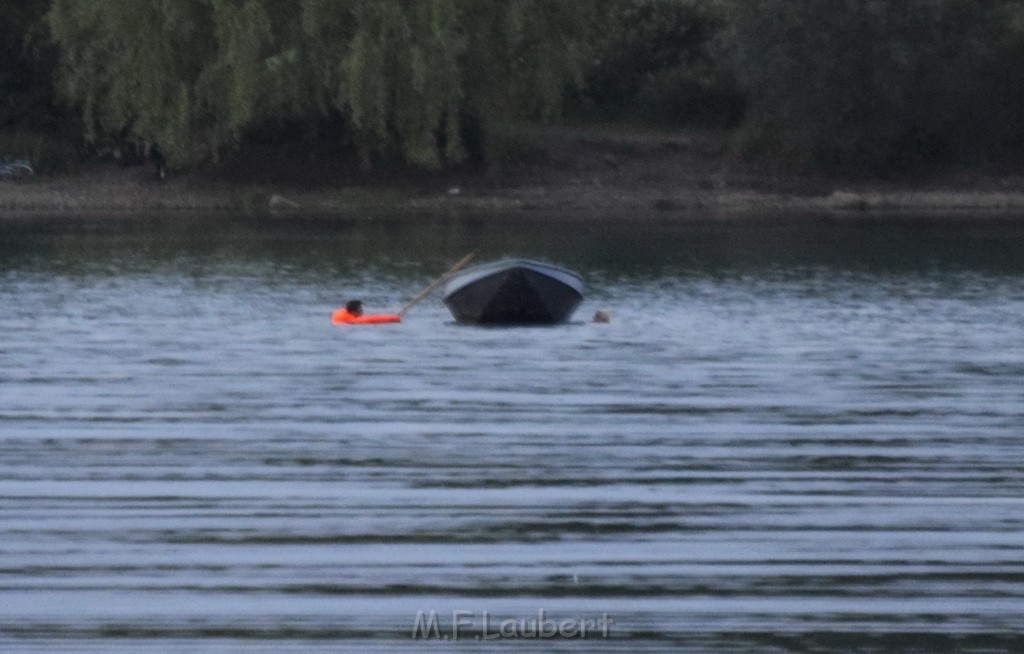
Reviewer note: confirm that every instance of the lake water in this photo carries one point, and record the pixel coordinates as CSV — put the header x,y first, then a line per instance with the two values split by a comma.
x,y
794,435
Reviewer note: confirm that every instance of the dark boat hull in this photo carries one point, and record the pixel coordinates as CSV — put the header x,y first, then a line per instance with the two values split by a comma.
x,y
517,292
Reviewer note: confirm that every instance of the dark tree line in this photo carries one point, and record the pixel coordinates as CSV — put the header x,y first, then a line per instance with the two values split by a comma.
x,y
873,86
878,85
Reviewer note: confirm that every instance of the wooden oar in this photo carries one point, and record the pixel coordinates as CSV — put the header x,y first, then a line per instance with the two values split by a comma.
x,y
437,282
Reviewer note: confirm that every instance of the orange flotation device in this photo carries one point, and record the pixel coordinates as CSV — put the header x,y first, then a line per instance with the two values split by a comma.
x,y
345,317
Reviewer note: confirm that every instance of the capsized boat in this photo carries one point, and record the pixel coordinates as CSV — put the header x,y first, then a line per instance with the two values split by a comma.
x,y
513,292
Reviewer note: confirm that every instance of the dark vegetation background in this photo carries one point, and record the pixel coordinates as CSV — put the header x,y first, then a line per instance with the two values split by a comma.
x,y
877,88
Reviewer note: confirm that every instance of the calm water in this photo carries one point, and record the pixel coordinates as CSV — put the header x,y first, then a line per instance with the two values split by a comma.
x,y
794,435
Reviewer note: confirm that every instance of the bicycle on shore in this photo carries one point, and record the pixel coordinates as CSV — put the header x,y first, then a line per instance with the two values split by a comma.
x,y
15,169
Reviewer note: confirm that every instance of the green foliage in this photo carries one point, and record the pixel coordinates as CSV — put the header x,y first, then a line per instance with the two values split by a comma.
x,y
194,75
664,60
850,85
25,75
48,151
1000,100
866,85
31,125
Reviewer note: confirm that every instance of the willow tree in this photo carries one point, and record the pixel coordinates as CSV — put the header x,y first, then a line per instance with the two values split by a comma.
x,y
193,75
25,91
867,84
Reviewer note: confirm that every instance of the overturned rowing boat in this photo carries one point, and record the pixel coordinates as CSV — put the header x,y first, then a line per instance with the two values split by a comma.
x,y
514,292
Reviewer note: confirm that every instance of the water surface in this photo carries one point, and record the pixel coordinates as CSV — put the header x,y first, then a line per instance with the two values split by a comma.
x,y
795,434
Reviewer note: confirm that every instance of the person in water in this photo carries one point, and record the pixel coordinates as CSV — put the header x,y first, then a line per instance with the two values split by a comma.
x,y
352,313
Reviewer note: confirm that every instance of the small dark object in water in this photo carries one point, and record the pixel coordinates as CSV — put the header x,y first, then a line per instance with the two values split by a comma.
x,y
514,292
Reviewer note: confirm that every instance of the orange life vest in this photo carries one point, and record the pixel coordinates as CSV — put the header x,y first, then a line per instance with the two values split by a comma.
x,y
343,317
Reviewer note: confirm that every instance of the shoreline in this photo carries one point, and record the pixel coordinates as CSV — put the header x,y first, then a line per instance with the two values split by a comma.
x,y
548,203
566,173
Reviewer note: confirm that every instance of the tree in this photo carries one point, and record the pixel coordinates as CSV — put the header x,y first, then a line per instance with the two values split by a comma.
x,y
409,77
664,60
26,92
865,85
